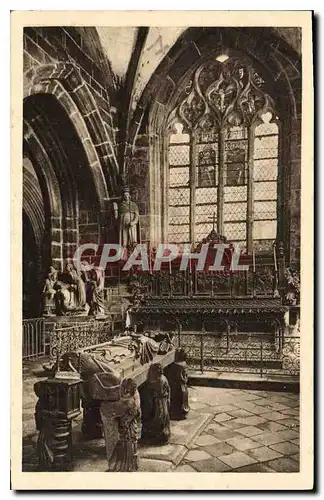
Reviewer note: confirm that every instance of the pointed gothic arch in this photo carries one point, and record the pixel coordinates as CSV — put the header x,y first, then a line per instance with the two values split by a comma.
x,y
273,59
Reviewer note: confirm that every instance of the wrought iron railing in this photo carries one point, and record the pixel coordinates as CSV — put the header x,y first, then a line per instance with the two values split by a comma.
x,y
64,338
265,355
33,344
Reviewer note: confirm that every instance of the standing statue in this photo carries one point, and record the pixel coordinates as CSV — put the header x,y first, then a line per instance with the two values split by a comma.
x,y
128,214
79,285
96,293
49,293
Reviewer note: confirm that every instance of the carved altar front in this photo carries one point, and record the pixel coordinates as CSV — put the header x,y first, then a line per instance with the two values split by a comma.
x,y
222,305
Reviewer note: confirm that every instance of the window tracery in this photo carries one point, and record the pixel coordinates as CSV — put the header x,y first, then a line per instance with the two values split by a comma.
x,y
223,157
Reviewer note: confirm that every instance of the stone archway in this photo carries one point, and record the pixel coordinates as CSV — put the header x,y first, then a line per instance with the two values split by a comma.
x,y
63,81
66,188
35,251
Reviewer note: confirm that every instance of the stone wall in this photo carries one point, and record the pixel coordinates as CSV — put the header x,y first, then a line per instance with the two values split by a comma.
x,y
137,175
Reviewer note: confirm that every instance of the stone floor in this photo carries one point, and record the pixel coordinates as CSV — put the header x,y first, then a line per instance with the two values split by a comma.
x,y
227,430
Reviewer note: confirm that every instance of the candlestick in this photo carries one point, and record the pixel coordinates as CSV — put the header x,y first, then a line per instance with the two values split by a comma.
x,y
149,259
275,257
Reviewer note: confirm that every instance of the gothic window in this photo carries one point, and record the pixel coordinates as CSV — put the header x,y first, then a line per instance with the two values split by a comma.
x,y
223,157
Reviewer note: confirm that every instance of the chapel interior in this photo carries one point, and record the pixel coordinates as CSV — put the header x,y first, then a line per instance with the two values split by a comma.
x,y
195,132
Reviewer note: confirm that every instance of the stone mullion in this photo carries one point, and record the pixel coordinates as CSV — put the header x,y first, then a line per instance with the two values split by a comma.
x,y
165,174
250,191
221,182
193,156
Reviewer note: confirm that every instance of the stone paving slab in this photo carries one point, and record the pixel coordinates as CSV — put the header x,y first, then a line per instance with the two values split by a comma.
x,y
274,416
223,408
237,459
211,464
268,438
221,432
250,431
285,448
242,443
185,468
290,411
254,408
149,465
284,464
290,422
222,417
251,420
196,455
172,452
220,449
264,454
272,427
290,434
184,431
206,439
257,467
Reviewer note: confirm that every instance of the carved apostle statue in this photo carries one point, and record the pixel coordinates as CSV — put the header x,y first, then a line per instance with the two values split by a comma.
x,y
128,214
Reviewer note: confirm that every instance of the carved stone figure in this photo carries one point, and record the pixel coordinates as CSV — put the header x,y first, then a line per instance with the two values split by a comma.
x,y
122,423
77,281
96,293
49,293
65,294
155,403
144,348
176,374
128,214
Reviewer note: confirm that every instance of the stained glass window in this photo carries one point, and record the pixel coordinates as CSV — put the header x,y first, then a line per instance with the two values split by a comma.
x,y
223,157
265,184
207,173
236,145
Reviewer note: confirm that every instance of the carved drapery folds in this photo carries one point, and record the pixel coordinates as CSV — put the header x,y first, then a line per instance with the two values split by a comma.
x,y
223,94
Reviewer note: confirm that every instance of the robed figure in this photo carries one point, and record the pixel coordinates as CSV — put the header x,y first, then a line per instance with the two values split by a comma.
x,y
96,285
49,292
128,214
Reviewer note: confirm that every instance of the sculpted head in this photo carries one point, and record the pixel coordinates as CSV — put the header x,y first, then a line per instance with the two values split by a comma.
x,y
155,372
126,194
52,272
